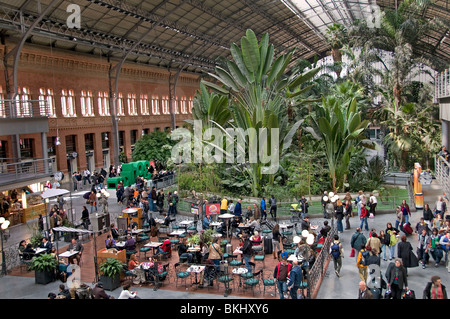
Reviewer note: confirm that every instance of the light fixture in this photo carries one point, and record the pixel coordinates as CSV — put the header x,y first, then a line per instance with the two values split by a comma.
x,y
106,136
58,142
4,225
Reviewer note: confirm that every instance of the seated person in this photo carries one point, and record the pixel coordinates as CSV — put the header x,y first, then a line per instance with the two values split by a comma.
x,y
28,252
166,248
133,266
114,232
47,245
253,224
256,237
183,251
110,242
248,213
130,244
206,222
75,246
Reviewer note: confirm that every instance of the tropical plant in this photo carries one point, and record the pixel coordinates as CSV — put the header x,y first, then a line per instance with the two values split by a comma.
x,y
259,92
338,124
43,263
110,267
336,35
153,146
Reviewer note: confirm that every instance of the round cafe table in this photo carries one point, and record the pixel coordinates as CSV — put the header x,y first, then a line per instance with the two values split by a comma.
x,y
226,216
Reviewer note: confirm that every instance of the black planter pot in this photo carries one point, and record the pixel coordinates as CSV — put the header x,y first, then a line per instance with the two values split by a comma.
x,y
110,283
43,277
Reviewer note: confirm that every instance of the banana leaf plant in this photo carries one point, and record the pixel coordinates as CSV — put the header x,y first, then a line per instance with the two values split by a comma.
x,y
338,124
260,90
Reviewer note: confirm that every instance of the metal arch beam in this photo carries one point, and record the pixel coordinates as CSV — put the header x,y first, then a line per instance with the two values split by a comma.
x,y
257,9
14,54
113,79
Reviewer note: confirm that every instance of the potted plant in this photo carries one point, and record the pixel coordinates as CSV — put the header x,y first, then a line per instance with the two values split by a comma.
x,y
44,267
110,273
36,239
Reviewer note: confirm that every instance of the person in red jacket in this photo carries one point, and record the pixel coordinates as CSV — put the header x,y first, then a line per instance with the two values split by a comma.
x,y
281,274
363,217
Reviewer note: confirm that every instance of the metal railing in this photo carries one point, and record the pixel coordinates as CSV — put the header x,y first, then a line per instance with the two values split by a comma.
x,y
27,169
18,108
441,172
321,264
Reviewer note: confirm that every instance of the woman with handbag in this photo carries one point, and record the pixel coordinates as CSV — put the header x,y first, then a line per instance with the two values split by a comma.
x,y
391,233
397,279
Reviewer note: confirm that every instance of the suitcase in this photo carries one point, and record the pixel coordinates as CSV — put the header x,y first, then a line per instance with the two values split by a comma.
x,y
407,229
268,249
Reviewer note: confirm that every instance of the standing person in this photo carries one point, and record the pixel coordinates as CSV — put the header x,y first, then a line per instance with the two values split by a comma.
x,y
304,206
281,274
373,204
405,252
392,234
427,214
358,239
384,240
153,199
397,279
374,242
423,246
85,218
256,212
440,207
247,252
93,201
75,181
435,249
435,289
445,245
263,209
238,209
169,203
406,211
295,279
348,212
175,201
337,253
231,207
223,205
362,268
363,217
324,201
86,177
400,218
273,207
276,240
215,253
160,201
364,292
339,215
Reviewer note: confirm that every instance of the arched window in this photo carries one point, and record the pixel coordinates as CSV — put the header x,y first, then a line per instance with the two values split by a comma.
x,y
87,103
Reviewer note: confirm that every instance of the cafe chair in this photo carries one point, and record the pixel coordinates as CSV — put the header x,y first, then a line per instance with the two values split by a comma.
x,y
25,260
181,275
268,281
144,250
253,281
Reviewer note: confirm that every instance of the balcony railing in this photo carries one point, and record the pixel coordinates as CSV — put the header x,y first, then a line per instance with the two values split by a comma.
x,y
442,85
12,109
26,170
441,173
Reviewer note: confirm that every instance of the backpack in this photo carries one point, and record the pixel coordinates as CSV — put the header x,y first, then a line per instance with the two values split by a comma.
x,y
365,256
335,251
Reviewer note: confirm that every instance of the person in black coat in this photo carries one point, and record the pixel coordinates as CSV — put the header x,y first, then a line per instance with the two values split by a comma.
x,y
435,289
397,279
427,214
405,252
85,217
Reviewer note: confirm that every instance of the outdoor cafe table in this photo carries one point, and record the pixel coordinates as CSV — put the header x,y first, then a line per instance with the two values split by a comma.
x,y
120,244
196,269
177,232
136,231
226,216
186,223
38,251
238,272
215,224
68,253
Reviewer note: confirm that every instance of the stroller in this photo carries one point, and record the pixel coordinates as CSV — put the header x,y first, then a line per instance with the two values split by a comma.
x,y
295,211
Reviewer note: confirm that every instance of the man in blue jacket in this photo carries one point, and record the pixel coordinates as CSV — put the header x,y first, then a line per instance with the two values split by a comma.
x,y
295,279
263,209
238,209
